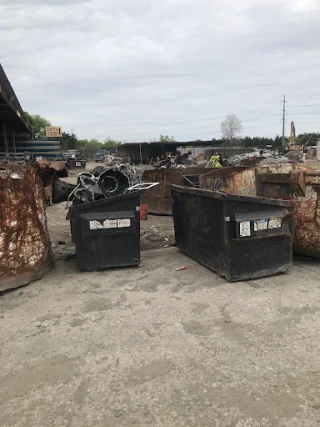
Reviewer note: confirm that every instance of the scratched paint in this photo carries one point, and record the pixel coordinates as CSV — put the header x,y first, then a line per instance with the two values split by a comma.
x,y
25,249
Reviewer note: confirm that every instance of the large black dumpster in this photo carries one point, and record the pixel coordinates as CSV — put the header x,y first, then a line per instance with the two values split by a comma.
x,y
238,237
107,232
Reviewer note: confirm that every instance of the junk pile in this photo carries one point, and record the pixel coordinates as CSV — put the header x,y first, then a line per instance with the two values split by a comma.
x,y
49,171
25,249
250,159
101,183
105,217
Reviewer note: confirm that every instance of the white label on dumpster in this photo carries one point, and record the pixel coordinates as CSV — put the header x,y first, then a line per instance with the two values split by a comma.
x,y
261,224
124,222
95,225
78,163
274,222
245,229
110,223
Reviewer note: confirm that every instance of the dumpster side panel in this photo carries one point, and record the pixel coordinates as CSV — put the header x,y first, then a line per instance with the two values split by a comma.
x,y
25,248
158,198
198,230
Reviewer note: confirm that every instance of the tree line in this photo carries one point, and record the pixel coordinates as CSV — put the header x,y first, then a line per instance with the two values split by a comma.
x,y
231,129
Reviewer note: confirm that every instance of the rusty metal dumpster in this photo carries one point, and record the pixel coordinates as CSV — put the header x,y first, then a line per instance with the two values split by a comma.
x,y
238,237
159,198
25,249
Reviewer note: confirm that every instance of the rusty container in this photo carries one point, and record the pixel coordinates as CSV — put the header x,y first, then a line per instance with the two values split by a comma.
x,y
158,198
301,184
286,181
233,180
25,249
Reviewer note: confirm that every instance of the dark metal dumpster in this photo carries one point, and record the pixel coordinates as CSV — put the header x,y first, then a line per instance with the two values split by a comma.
x,y
107,232
238,237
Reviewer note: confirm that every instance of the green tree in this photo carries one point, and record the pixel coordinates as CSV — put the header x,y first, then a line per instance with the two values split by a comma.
x,y
38,124
167,138
109,143
308,138
68,141
93,145
82,143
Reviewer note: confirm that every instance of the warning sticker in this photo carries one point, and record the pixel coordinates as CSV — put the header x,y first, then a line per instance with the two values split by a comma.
x,y
245,229
95,225
124,222
110,223
260,224
274,223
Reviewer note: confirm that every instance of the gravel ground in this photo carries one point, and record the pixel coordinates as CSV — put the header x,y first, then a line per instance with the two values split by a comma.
x,y
152,346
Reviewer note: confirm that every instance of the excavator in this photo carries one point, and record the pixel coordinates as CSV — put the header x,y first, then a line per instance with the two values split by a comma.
x,y
292,144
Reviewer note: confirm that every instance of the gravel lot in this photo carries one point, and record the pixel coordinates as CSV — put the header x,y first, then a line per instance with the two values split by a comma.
x,y
152,346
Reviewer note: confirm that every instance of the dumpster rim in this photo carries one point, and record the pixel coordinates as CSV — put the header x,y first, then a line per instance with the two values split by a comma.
x,y
219,195
106,201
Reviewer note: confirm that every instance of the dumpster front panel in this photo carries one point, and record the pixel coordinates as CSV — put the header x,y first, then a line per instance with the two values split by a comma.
x,y
259,241
107,233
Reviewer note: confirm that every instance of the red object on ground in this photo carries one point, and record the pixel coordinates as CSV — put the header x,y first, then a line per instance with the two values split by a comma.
x,y
143,212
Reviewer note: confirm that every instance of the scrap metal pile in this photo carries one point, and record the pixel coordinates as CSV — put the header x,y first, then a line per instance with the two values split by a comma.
x,y
102,182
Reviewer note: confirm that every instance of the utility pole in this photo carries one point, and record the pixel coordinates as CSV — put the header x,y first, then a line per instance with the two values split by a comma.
x,y
72,139
283,119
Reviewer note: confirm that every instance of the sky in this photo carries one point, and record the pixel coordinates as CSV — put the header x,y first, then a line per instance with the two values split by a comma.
x,y
134,69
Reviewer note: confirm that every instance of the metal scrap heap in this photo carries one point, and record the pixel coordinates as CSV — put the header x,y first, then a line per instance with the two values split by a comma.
x,y
102,182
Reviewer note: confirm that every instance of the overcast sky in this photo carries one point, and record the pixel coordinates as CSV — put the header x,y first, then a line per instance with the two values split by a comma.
x,y
135,69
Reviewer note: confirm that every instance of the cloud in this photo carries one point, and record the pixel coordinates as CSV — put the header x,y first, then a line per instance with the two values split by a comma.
x,y
133,70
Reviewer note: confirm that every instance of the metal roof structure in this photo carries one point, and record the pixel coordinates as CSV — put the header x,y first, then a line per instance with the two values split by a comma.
x,y
13,122
11,112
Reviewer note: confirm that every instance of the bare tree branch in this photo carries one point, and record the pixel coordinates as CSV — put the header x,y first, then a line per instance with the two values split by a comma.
x,y
231,127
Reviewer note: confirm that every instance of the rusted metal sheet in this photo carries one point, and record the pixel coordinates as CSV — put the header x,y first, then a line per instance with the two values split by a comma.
x,y
302,185
25,249
158,198
233,180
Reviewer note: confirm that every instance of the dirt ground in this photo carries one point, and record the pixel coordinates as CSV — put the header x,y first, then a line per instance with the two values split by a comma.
x,y
152,346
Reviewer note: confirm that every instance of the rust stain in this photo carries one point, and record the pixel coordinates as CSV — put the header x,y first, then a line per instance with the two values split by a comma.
x,y
158,198
25,249
300,184
233,180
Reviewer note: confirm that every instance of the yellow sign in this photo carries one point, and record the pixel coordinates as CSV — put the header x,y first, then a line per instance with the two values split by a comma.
x,y
53,131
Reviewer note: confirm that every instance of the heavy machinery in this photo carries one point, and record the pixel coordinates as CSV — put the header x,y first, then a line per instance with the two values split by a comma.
x,y
292,144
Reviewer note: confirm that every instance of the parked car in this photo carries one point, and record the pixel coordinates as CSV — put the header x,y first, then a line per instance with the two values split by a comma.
x,y
99,155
